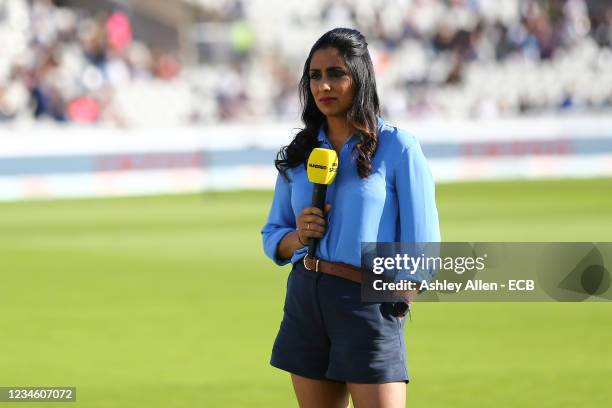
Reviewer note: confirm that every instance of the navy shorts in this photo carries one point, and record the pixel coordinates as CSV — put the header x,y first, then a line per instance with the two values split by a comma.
x,y
327,333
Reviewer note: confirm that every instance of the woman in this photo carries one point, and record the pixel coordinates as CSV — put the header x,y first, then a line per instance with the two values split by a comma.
x,y
332,343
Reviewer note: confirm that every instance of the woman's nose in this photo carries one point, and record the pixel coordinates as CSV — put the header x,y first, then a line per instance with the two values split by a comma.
x,y
324,86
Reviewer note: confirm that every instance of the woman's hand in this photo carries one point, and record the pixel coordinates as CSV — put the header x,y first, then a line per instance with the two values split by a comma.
x,y
408,296
311,223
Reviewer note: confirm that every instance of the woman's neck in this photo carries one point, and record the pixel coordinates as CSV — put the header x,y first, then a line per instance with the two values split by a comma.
x,y
338,131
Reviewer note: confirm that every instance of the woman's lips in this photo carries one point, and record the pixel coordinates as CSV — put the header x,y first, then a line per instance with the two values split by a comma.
x,y
326,101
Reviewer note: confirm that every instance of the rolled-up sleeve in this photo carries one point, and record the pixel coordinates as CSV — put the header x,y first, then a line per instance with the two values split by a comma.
x,y
418,214
281,220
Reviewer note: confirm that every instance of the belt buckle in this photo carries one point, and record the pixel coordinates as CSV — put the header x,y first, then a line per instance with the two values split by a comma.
x,y
316,264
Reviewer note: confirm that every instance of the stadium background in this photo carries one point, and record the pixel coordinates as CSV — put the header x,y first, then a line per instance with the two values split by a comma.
x,y
155,298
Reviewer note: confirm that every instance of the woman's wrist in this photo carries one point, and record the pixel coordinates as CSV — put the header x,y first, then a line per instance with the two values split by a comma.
x,y
300,239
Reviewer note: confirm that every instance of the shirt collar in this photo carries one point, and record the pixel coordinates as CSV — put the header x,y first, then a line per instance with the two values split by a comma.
x,y
379,123
322,135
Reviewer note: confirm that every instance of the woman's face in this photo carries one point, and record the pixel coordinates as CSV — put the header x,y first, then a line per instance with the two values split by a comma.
x,y
331,82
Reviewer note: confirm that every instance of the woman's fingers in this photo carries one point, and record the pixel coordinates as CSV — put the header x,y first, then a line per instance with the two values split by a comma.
x,y
312,211
310,227
311,215
306,235
327,209
317,212
314,219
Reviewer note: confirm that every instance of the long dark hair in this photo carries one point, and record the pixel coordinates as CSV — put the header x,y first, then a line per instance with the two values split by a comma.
x,y
352,46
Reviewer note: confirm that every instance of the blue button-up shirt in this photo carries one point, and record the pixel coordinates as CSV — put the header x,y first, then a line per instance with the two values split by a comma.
x,y
396,203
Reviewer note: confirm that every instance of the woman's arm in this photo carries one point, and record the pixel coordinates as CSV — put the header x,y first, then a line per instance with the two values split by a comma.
x,y
284,233
417,204
280,223
417,198
310,224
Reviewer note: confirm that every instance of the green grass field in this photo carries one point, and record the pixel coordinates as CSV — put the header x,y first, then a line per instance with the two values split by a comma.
x,y
169,302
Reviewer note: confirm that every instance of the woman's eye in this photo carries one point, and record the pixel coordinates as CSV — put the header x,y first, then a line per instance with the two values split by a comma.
x,y
315,76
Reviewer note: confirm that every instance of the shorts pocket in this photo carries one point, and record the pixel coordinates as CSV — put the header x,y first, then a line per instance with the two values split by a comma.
x,y
386,310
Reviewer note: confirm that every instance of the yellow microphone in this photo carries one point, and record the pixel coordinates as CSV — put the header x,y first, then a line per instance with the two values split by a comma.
x,y
321,169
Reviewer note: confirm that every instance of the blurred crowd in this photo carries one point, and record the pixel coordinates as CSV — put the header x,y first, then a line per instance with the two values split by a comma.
x,y
434,58
482,58
63,65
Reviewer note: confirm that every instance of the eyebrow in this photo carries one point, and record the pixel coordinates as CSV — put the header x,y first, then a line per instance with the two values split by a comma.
x,y
328,69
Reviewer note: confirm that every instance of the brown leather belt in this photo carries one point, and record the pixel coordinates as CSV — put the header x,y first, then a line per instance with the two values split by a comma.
x,y
351,273
340,270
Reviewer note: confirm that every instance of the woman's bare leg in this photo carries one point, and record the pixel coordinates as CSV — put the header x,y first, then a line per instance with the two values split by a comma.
x,y
388,395
319,393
